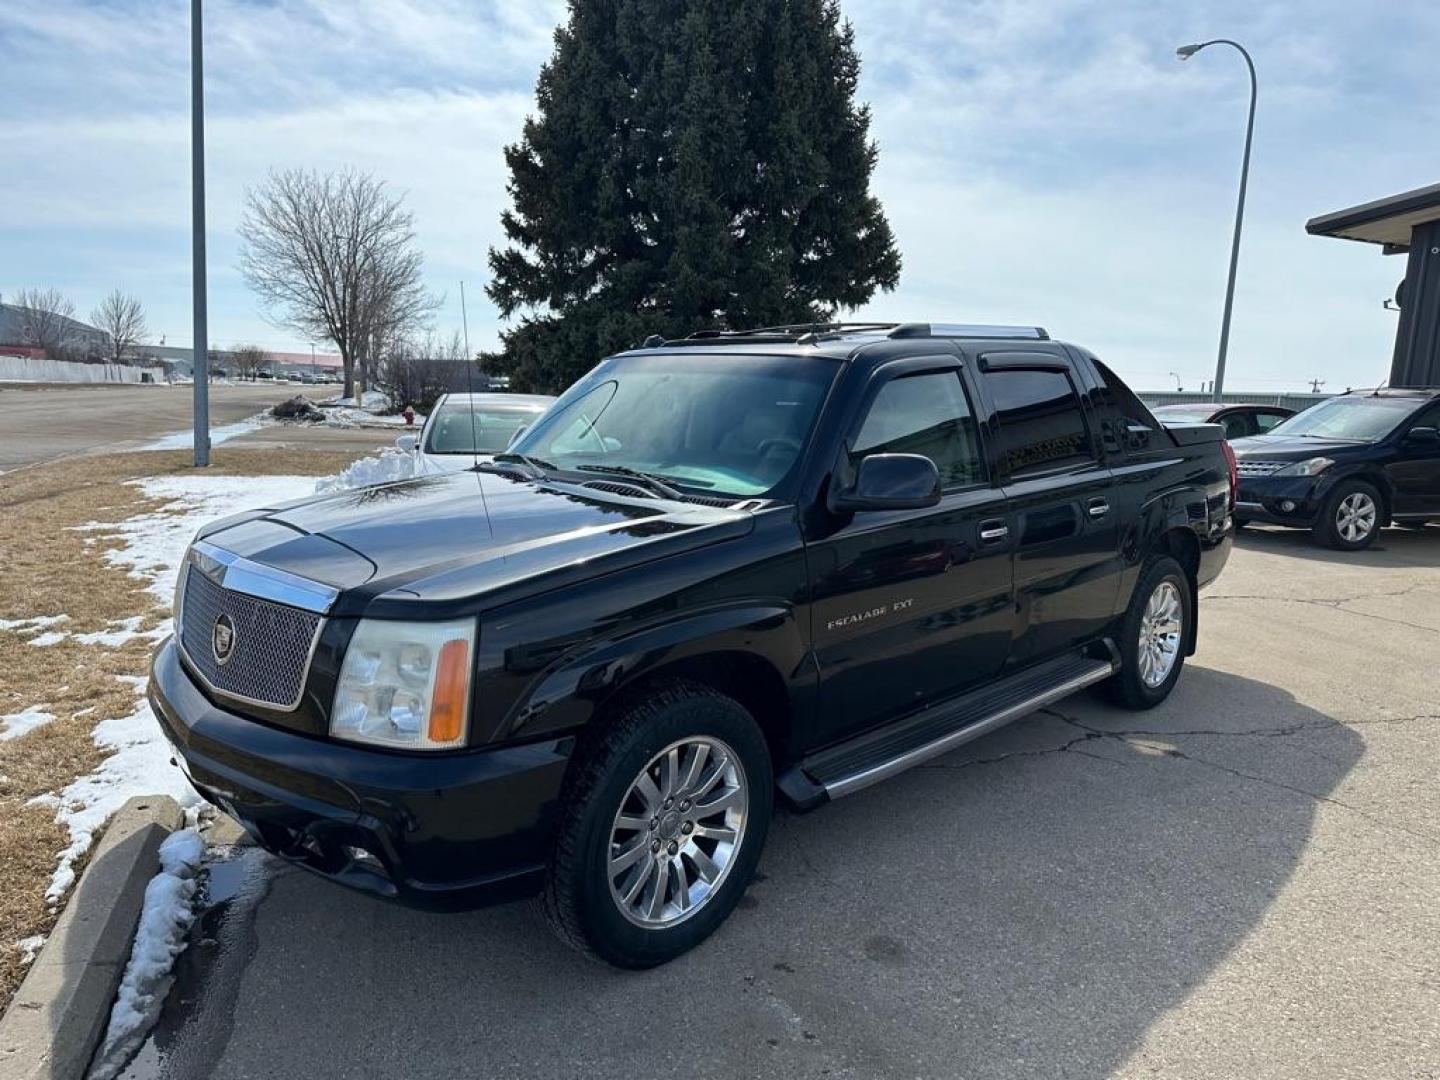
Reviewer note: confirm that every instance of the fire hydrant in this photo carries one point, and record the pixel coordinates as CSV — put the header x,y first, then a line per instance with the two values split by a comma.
x,y
409,415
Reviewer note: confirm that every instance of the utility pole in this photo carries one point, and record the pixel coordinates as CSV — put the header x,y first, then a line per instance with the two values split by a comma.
x,y
200,347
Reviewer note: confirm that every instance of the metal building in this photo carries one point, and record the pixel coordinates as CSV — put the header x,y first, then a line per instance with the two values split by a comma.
x,y
1407,223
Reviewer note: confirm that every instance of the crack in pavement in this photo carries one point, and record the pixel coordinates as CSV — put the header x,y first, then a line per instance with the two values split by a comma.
x,y
1338,604
1092,734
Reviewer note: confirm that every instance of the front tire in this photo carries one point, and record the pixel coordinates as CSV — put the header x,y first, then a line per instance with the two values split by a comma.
x,y
1153,635
663,823
1350,519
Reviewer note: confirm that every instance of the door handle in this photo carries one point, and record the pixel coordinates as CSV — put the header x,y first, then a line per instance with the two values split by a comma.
x,y
993,532
1098,508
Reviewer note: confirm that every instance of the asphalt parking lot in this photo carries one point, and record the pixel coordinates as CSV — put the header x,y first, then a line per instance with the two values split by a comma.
x,y
48,422
1244,882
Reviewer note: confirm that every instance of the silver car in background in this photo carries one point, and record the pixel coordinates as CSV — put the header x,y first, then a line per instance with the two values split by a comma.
x,y
463,426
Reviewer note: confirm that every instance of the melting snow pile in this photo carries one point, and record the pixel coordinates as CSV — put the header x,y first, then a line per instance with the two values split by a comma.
x,y
164,923
377,469
370,399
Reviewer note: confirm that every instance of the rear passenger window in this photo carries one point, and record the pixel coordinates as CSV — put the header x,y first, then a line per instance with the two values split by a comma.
x,y
928,415
1041,426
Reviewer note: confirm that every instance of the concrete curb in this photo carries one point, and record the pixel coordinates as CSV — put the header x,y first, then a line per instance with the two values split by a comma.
x,y
60,1012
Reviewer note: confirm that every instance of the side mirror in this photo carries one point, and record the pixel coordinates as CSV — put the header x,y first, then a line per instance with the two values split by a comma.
x,y
406,442
516,437
891,482
1423,436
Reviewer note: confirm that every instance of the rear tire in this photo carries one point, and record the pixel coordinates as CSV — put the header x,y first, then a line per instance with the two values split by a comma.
x,y
1153,634
1350,519
640,872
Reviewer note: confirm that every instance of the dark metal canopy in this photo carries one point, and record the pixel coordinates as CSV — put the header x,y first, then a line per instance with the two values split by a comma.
x,y
1386,221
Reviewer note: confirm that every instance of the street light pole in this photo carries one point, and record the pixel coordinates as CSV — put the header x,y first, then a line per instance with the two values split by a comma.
x,y
200,348
1184,53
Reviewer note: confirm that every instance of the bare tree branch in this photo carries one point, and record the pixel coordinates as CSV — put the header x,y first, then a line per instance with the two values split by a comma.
x,y
45,316
333,256
123,320
248,359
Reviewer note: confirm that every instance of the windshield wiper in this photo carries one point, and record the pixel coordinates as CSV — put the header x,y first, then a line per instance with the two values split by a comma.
x,y
655,483
538,467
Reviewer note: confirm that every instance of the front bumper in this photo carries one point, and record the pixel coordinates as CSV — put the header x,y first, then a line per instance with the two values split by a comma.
x,y
1282,500
449,830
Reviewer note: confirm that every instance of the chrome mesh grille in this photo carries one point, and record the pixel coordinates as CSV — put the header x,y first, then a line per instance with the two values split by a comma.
x,y
271,648
1259,468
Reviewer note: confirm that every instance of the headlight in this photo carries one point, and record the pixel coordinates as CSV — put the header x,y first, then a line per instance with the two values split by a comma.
x,y
1311,467
405,684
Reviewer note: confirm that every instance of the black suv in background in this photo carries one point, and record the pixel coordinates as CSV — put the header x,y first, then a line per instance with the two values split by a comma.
x,y
1346,467
801,559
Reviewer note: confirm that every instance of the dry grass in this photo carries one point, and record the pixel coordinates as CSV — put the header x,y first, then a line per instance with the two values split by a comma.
x,y
48,568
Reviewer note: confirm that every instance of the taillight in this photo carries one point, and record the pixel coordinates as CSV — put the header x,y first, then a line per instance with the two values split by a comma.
x,y
1234,472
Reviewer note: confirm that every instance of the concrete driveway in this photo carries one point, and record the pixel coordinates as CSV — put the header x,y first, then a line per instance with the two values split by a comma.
x,y
1244,882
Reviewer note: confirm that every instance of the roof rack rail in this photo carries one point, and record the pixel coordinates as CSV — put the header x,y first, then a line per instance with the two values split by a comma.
x,y
809,333
969,330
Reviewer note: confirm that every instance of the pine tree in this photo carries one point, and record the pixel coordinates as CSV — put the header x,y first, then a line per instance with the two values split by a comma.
x,y
693,164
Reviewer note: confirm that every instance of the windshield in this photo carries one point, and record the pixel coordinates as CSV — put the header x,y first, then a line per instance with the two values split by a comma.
x,y
1363,419
723,425
461,428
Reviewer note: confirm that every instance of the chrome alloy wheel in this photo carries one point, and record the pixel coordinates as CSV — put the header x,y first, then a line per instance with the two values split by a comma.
x,y
1356,516
1160,629
677,832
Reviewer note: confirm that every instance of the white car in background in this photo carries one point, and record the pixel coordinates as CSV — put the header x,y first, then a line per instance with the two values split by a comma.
x,y
462,426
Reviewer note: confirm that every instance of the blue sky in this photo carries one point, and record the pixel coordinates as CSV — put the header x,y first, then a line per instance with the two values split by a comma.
x,y
1041,160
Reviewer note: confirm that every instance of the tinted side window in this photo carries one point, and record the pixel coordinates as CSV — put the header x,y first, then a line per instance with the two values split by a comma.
x,y
1041,426
924,414
1117,430
1122,399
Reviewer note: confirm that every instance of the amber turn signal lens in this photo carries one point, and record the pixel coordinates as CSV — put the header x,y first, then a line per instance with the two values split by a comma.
x,y
452,680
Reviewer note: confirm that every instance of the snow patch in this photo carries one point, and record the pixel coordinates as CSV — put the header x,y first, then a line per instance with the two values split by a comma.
x,y
379,468
30,947
183,440
17,724
154,544
50,637
165,920
140,765
33,624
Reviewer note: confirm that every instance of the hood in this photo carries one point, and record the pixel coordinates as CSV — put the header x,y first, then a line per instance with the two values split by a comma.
x,y
493,526
1290,447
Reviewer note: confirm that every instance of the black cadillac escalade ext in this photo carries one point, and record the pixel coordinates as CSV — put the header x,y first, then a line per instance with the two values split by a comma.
x,y
800,560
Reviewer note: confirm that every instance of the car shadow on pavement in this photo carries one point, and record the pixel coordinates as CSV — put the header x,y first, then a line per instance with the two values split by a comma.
x,y
1027,906
1394,548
